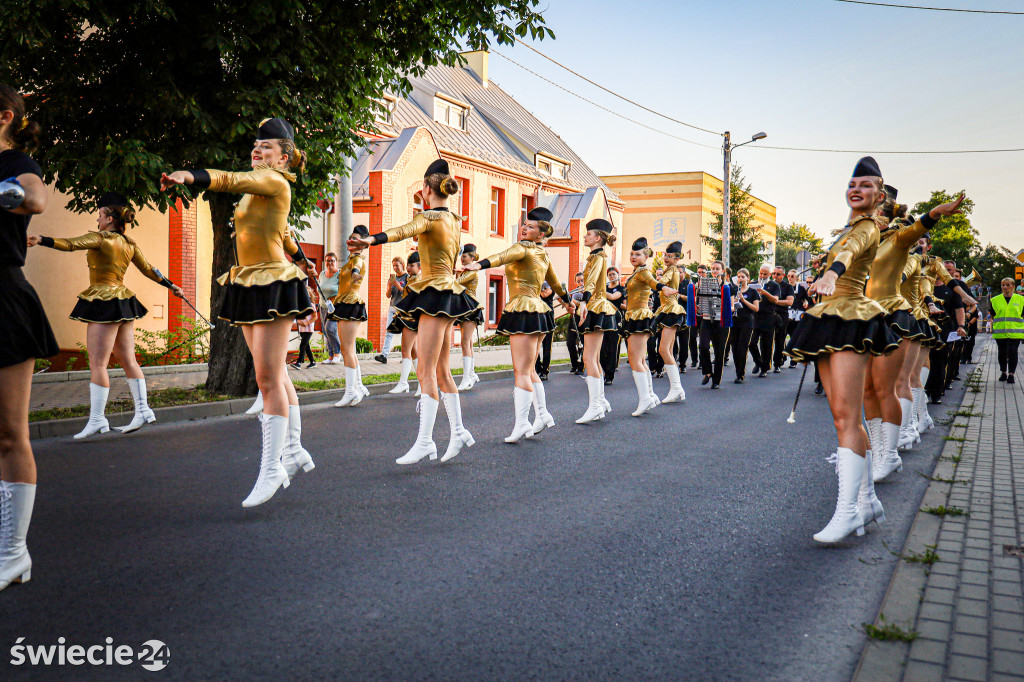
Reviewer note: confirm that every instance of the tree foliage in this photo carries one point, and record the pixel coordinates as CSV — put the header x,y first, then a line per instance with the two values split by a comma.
x,y
746,248
792,239
126,90
953,238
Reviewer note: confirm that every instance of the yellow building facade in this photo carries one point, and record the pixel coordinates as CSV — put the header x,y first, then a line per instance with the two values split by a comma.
x,y
668,207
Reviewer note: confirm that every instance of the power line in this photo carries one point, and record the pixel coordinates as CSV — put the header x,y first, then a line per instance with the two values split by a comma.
x,y
870,151
933,9
615,94
604,108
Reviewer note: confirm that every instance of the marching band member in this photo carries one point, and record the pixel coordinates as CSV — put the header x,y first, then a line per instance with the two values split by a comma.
x,y
435,300
746,304
349,312
265,291
669,318
110,309
840,332
596,315
712,303
638,322
405,327
468,324
526,318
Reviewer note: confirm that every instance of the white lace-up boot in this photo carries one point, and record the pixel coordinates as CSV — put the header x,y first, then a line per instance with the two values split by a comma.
x,y
97,406
543,420
359,381
907,437
403,381
606,407
650,388
846,519
595,410
924,420
294,456
874,429
868,504
257,405
419,386
676,392
468,375
643,393
351,392
143,413
886,459
523,428
16,502
460,436
272,474
424,445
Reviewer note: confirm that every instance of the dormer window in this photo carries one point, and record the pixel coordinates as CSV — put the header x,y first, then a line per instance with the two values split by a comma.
x,y
556,168
451,113
385,113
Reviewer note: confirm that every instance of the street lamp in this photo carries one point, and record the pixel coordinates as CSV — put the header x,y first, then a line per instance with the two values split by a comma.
x,y
727,147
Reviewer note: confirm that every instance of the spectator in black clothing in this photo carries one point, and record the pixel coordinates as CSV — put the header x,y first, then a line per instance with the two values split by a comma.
x,y
973,316
745,302
948,313
610,349
654,360
694,331
544,357
573,342
762,340
782,306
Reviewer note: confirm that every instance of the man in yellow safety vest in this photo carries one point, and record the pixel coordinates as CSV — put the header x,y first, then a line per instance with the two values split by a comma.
x,y
1008,328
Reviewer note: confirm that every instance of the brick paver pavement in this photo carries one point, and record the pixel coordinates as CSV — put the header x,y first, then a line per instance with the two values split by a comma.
x,y
967,608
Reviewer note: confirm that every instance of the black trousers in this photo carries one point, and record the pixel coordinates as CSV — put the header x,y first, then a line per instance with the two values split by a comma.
x,y
968,354
713,335
574,343
761,343
739,339
654,359
682,347
304,348
936,384
781,329
694,338
610,354
1008,354
953,368
544,357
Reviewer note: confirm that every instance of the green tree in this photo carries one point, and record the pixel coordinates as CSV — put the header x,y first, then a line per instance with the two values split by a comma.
x,y
994,264
953,238
128,89
746,248
792,239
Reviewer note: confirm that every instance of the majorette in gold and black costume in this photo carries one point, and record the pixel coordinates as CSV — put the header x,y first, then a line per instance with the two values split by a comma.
x,y
848,319
403,320
600,311
910,289
887,272
527,266
670,313
348,305
263,284
436,291
470,279
108,300
639,318
932,270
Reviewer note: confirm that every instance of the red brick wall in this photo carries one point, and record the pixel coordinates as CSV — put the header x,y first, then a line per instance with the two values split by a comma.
x,y
181,242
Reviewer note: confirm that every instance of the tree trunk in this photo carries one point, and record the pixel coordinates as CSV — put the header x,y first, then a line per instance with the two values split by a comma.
x,y
231,370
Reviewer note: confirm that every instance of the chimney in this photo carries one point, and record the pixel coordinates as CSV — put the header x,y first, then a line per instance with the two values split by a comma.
x,y
477,63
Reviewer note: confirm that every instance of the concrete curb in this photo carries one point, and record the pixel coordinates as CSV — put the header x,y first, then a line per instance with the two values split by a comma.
x,y
902,602
57,428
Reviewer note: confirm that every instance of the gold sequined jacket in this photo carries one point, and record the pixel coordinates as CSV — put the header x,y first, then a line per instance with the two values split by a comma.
x,y
348,285
855,248
638,294
527,267
110,254
887,268
670,304
595,277
438,244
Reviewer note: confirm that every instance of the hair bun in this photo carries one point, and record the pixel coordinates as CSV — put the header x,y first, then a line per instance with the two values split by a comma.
x,y
610,239
449,186
128,214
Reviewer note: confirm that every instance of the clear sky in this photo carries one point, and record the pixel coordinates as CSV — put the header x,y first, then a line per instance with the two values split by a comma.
x,y
810,73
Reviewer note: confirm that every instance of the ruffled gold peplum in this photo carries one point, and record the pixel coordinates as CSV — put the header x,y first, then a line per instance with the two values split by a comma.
x,y
601,306
526,304
261,274
106,292
440,282
670,309
639,314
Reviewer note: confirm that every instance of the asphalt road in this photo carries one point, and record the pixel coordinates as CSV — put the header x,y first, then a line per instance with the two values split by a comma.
x,y
673,546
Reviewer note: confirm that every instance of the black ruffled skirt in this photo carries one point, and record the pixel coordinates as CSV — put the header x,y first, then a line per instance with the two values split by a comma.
x,y
355,312
935,338
25,333
400,322
436,303
525,323
906,326
642,326
814,336
662,320
599,322
476,316
250,305
108,312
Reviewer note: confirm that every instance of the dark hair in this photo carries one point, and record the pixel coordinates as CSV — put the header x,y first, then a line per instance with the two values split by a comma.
x,y
331,254
296,157
611,269
23,133
442,183
122,215
578,274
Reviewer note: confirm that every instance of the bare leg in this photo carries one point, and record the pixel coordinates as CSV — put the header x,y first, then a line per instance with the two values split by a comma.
x,y
268,343
668,339
468,330
347,330
433,341
636,350
538,342
885,371
872,408
99,340
124,350
17,465
592,353
524,355
843,375
919,363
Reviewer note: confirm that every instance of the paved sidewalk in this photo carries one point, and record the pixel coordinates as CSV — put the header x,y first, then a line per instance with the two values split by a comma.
x,y
967,608
70,393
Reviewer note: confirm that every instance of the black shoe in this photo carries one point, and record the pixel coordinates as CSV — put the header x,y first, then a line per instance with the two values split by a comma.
x,y
792,365
819,389
777,370
295,365
1002,377
682,368
738,380
382,359
762,375
693,364
544,376
1010,379
725,364
607,382
715,386
707,378
311,365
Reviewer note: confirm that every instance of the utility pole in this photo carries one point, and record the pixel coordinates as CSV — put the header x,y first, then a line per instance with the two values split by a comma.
x,y
726,174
